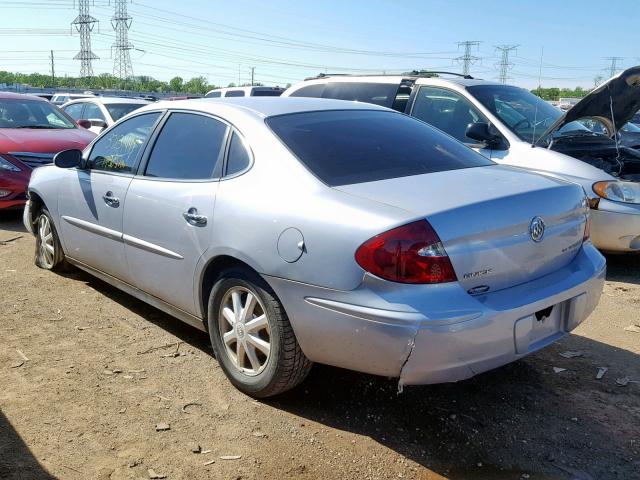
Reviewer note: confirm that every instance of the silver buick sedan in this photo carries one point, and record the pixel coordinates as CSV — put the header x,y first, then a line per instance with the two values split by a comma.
x,y
304,230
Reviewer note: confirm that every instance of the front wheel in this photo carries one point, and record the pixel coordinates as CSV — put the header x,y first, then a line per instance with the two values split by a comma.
x,y
48,253
252,337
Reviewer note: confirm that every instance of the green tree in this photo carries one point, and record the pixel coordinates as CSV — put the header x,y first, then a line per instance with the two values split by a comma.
x,y
176,84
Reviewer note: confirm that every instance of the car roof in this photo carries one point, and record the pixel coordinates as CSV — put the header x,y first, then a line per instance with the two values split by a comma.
x,y
396,79
19,96
261,106
247,88
110,100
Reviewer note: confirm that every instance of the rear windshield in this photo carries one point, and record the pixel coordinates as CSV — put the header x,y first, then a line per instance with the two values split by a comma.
x,y
343,147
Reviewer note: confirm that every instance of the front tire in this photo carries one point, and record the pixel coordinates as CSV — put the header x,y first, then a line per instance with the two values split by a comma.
x,y
252,337
49,254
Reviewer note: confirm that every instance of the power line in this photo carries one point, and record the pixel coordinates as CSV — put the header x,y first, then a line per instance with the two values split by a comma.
x,y
613,67
121,22
505,64
84,24
467,59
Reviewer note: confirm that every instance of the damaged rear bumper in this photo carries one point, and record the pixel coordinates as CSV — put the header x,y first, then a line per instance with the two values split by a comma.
x,y
439,333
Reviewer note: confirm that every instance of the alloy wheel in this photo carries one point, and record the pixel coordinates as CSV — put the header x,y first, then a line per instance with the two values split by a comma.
x,y
245,330
46,247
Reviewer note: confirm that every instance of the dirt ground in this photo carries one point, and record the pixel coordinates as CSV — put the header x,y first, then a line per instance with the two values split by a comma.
x,y
102,373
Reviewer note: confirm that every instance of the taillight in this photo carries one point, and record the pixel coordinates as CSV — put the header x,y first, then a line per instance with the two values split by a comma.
x,y
411,253
587,229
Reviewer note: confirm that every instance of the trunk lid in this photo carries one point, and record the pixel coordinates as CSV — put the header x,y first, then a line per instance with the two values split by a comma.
x,y
485,216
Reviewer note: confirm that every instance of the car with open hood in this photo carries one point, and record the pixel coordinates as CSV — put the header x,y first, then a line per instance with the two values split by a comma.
x,y
510,125
627,136
32,131
300,230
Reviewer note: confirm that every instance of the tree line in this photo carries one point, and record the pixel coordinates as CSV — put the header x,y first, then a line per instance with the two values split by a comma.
x,y
554,93
106,81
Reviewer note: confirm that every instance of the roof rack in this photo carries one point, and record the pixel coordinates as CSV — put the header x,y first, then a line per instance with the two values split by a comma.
x,y
413,74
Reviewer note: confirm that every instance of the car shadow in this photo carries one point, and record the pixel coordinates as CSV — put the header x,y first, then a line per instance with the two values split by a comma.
x,y
16,460
521,419
518,420
11,220
623,268
172,325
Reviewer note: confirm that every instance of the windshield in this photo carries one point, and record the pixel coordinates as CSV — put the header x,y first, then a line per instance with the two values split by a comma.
x,y
630,128
119,110
343,147
525,114
20,113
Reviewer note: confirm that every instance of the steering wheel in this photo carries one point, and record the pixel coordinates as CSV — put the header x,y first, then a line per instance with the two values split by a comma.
x,y
521,122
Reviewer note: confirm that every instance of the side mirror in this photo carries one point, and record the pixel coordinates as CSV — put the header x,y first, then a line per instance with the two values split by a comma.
x,y
97,122
84,123
484,133
68,159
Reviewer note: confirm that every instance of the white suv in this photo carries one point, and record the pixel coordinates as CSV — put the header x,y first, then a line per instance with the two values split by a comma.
x,y
245,92
510,125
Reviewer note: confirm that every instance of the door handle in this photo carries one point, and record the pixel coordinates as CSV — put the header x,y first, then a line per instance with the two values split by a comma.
x,y
110,200
192,217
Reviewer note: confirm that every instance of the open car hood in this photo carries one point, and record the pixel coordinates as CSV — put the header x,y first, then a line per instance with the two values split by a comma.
x,y
623,90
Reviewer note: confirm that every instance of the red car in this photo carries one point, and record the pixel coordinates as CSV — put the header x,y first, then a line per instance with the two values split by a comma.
x,y
32,131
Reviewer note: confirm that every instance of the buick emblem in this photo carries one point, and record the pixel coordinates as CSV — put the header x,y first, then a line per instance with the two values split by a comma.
x,y
536,229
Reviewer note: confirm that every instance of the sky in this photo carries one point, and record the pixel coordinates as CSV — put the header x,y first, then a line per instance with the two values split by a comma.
x,y
287,40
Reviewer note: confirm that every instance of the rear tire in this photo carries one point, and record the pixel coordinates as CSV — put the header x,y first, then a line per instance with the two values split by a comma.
x,y
252,337
48,254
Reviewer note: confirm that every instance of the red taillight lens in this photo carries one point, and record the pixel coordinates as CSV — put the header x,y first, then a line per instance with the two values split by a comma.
x,y
412,253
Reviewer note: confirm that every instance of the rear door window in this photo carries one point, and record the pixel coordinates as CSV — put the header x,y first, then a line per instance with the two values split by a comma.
x,y
447,110
93,112
238,158
74,110
213,95
314,91
344,147
189,147
234,93
259,92
382,94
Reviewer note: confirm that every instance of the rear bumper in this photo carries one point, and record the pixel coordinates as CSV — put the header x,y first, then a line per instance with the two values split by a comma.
x,y
615,232
439,333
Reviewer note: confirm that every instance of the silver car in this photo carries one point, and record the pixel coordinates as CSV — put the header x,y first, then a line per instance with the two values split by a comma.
x,y
305,230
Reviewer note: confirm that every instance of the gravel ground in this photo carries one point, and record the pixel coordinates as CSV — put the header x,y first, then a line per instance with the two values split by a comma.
x,y
104,370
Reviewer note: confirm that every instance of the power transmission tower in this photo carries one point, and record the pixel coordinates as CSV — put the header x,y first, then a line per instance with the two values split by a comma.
x,y
505,65
613,67
121,22
467,59
84,24
53,71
